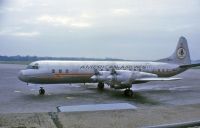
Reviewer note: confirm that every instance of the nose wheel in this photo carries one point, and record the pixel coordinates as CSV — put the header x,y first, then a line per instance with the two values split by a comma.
x,y
100,86
41,91
128,93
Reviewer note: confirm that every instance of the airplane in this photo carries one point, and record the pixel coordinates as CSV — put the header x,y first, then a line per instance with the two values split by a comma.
x,y
116,74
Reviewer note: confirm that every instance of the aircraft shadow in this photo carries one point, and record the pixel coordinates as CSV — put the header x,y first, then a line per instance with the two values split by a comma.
x,y
91,94
138,97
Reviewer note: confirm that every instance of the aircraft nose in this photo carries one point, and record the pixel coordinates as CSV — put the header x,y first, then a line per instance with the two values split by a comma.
x,y
21,76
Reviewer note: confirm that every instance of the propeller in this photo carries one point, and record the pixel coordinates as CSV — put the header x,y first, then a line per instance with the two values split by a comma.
x,y
96,72
113,72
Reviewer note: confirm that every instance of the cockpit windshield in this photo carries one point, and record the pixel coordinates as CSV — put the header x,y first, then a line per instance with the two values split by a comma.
x,y
33,66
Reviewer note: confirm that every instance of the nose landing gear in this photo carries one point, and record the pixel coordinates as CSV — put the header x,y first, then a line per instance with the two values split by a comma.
x,y
41,91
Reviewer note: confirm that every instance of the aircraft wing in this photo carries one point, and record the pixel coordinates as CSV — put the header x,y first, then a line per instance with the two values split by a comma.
x,y
156,79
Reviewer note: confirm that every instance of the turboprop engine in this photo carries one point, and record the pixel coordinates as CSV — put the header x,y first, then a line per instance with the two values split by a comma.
x,y
100,76
124,79
120,79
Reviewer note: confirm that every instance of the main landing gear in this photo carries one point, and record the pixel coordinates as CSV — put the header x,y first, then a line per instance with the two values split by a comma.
x,y
100,86
41,91
128,92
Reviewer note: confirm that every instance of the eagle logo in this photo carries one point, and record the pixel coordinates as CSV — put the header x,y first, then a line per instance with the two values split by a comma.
x,y
181,53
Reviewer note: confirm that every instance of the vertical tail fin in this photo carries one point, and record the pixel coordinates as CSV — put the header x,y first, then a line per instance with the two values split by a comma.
x,y
181,55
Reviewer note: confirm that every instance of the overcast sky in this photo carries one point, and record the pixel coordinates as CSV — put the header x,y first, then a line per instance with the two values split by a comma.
x,y
127,29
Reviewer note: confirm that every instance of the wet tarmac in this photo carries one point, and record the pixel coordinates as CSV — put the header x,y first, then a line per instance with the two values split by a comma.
x,y
18,97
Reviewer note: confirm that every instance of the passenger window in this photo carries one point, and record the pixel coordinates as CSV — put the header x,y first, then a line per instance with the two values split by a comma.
x,y
60,70
53,70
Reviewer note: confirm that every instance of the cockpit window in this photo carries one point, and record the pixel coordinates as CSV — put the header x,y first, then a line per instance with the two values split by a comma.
x,y
35,66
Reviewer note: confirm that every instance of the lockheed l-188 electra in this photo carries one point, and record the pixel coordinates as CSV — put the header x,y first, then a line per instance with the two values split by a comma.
x,y
116,74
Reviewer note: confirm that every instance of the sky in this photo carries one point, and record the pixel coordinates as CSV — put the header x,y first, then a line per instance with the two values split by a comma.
x,y
125,29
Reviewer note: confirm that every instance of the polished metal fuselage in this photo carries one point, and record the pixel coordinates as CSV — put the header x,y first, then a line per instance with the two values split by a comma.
x,y
51,72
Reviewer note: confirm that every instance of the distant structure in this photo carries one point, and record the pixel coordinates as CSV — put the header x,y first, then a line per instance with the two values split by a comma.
x,y
35,58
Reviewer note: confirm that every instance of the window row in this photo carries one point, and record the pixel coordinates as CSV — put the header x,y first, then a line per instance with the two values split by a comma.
x,y
60,71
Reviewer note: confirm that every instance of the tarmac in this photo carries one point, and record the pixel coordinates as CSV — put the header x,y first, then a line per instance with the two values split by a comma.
x,y
157,103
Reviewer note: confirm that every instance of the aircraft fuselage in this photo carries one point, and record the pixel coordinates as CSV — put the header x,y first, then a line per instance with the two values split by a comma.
x,y
50,72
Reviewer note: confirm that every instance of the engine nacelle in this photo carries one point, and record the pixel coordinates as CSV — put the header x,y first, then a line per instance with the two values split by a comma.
x,y
101,76
120,76
120,79
137,75
124,78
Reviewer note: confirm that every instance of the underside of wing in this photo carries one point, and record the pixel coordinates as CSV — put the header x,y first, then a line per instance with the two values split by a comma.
x,y
156,79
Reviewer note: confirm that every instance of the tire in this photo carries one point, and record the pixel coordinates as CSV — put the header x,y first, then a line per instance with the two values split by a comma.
x,y
41,91
101,86
128,93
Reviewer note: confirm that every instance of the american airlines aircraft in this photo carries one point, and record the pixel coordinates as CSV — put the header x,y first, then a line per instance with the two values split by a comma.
x,y
116,74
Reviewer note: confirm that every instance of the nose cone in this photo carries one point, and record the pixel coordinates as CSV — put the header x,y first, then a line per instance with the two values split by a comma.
x,y
21,76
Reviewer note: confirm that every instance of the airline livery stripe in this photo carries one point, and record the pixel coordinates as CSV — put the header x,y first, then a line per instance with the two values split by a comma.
x,y
74,74
63,75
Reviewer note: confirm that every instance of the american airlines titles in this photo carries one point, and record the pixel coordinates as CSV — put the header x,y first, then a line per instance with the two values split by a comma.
x,y
117,67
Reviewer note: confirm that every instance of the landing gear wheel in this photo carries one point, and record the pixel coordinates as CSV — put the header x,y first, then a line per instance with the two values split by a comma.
x,y
41,91
100,86
128,92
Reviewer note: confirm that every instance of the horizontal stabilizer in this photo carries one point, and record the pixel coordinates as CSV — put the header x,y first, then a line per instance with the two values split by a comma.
x,y
156,79
190,65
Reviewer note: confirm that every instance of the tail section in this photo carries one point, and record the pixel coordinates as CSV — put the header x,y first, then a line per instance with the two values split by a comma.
x,y
181,55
